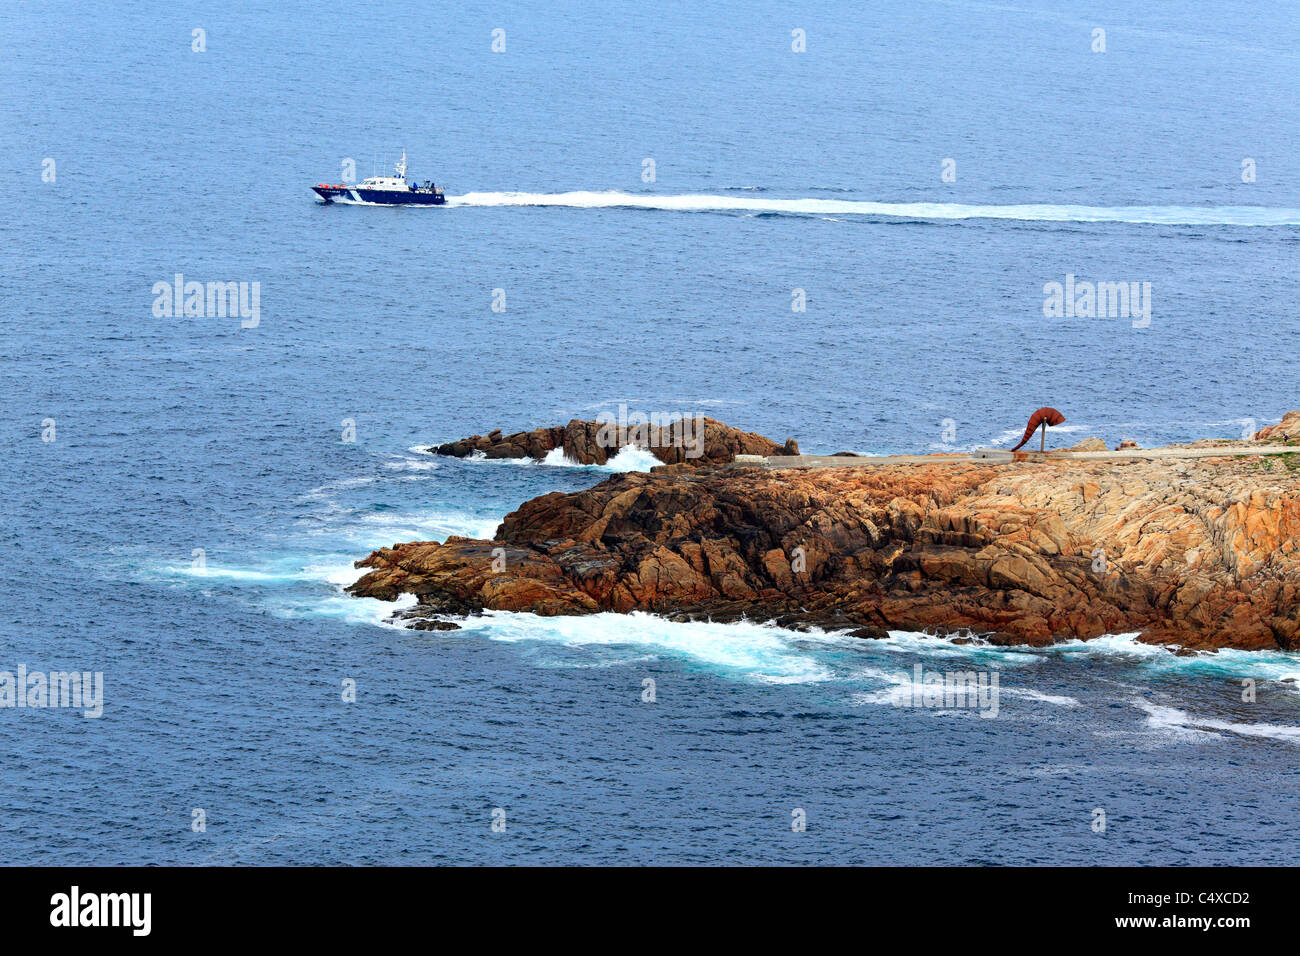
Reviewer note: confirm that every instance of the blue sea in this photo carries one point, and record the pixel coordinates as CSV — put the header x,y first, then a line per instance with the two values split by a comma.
x,y
640,199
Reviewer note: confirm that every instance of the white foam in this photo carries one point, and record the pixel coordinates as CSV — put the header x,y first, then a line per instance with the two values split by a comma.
x,y
628,458
1030,212
554,457
349,201
448,521
631,458
1059,700
1282,667
915,642
411,464
343,484
1160,717
345,608
1226,663
339,573
901,689
219,573
755,651
898,689
1109,645
557,459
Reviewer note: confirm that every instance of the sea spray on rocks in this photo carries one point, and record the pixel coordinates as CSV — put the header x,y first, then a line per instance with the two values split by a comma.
x,y
653,430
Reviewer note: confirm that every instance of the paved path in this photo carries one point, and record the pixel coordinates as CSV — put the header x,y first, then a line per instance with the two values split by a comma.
x,y
1001,456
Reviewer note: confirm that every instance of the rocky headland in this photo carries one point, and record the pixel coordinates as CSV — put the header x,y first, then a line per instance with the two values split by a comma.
x,y
686,441
1197,553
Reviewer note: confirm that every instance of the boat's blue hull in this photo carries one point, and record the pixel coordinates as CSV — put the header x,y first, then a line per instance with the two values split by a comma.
x,y
382,197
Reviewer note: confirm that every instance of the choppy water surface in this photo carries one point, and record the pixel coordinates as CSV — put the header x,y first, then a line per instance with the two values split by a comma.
x,y
190,529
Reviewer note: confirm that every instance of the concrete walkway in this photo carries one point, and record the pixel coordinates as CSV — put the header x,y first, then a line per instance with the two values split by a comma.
x,y
1000,456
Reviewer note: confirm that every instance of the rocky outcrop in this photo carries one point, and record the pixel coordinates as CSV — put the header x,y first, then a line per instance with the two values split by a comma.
x,y
1286,431
683,441
1195,552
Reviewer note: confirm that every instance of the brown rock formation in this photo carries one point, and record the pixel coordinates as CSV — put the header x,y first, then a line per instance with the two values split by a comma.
x,y
1287,430
1199,552
594,443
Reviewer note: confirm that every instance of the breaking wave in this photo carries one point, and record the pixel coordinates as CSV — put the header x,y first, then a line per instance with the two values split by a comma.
x,y
1181,723
747,650
628,458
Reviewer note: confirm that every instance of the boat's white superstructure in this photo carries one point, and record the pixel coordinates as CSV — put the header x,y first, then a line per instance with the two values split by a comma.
x,y
385,190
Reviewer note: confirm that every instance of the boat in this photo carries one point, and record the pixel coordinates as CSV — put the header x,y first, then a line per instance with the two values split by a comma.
x,y
385,190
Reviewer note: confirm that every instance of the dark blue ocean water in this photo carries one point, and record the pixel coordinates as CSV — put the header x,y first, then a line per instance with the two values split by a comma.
x,y
924,329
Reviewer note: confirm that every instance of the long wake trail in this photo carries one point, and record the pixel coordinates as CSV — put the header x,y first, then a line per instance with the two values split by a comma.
x,y
1032,212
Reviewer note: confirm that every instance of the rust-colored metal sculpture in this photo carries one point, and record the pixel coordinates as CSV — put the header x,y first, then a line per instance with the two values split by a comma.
x,y
1044,417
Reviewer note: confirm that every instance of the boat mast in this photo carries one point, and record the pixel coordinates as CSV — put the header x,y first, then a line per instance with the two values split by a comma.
x,y
401,166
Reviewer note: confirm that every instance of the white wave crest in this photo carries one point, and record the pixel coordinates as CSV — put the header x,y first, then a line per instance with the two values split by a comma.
x,y
333,570
628,458
631,458
1180,722
901,688
342,607
754,651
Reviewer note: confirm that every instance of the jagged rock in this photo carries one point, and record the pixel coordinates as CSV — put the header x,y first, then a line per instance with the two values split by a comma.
x,y
432,624
1199,552
1127,443
1287,430
1088,444
870,633
594,443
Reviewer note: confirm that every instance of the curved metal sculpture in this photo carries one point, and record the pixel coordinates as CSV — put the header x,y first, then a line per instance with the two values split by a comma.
x,y
1044,417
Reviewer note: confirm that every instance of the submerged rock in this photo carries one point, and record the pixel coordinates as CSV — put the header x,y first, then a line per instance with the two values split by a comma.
x,y
879,634
434,624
